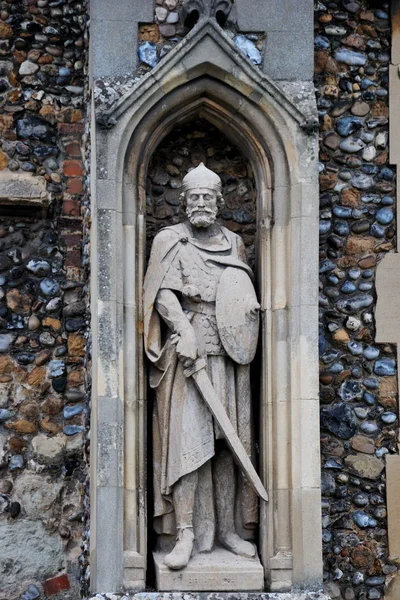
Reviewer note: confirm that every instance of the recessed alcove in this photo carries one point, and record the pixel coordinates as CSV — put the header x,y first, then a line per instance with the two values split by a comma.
x,y
205,78
184,148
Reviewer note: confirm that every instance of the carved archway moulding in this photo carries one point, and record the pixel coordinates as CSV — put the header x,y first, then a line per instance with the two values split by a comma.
x,y
206,76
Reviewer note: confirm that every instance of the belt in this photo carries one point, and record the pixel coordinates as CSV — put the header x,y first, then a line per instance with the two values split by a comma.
x,y
205,308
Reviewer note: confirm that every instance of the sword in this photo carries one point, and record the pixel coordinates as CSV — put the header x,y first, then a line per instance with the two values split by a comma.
x,y
202,381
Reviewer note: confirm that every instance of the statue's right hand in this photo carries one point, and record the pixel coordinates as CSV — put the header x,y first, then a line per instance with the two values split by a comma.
x,y
185,344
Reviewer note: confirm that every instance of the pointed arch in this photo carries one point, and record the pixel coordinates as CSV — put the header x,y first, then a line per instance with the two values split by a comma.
x,y
206,76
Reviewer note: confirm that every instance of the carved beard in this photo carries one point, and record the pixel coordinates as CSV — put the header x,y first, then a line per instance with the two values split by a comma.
x,y
203,217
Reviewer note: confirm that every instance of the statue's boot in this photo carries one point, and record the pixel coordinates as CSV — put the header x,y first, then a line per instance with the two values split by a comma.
x,y
225,485
234,543
180,555
183,494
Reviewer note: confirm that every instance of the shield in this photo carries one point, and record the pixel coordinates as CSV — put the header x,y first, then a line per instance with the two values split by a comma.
x,y
237,326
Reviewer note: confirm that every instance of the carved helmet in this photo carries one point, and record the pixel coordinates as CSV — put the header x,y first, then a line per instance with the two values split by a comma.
x,y
201,177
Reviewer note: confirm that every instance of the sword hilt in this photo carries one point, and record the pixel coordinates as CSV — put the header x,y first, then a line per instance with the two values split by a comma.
x,y
197,365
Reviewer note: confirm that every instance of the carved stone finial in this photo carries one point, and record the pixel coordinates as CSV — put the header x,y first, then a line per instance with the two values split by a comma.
x,y
193,11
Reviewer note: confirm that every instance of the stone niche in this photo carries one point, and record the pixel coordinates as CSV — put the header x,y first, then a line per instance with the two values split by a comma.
x,y
204,84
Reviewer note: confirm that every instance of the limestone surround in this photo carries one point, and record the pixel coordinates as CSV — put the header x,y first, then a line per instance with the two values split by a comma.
x,y
206,76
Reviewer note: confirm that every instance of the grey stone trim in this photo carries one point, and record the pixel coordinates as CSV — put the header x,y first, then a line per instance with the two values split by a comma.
x,y
173,60
113,35
205,75
289,29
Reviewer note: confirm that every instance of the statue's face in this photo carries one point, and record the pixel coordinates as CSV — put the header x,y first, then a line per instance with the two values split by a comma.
x,y
201,206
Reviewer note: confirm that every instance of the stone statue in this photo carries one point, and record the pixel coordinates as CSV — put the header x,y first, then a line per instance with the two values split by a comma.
x,y
196,291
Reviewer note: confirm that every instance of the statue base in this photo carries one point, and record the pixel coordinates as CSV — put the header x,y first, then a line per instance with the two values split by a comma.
x,y
219,571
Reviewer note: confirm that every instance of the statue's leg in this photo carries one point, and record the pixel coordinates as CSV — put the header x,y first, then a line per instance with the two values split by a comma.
x,y
224,478
183,494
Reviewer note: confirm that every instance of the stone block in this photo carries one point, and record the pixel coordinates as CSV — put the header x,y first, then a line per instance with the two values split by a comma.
x,y
23,189
270,15
37,494
218,571
291,61
28,551
114,35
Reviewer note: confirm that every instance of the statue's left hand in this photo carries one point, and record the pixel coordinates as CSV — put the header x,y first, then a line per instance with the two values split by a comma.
x,y
253,308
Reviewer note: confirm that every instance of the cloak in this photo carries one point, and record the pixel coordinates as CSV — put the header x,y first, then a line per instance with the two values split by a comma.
x,y
183,429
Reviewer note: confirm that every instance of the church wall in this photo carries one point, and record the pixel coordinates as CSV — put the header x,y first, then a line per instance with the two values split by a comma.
x,y
358,377
45,357
44,261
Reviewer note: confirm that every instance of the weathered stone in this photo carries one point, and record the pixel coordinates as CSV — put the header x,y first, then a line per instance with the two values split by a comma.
x,y
350,197
37,494
76,345
365,466
17,302
356,245
339,420
28,551
49,450
360,443
37,376
341,336
22,426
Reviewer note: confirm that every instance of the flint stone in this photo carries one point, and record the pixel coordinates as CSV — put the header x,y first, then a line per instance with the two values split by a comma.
x,y
349,390
31,593
364,465
148,54
34,127
6,340
349,57
352,305
3,451
28,68
248,48
369,427
28,551
363,182
339,420
385,367
347,125
38,267
363,520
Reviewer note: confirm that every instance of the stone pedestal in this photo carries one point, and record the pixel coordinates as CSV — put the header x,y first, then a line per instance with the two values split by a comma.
x,y
219,571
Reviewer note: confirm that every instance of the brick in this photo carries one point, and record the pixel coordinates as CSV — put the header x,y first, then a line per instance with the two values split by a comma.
x,y
75,185
71,239
73,168
72,149
56,584
71,208
73,258
70,224
71,128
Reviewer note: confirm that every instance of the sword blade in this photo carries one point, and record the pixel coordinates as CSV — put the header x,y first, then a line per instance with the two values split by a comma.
x,y
206,389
